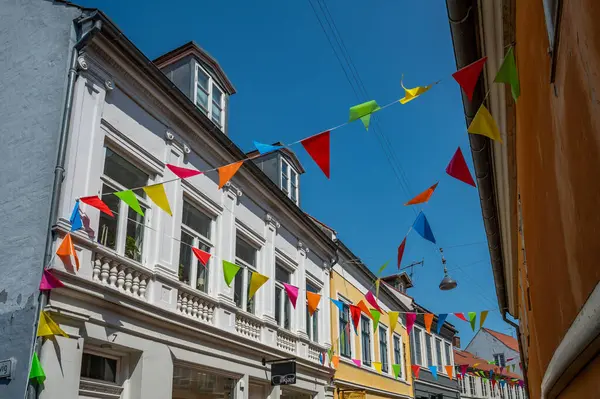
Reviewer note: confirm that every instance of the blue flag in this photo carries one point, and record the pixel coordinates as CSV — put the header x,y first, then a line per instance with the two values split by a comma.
x,y
433,370
440,321
422,227
339,304
265,148
502,382
76,222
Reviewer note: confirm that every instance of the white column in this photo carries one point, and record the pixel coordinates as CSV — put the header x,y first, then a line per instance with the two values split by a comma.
x,y
275,392
266,294
300,282
242,388
61,359
325,309
151,373
226,250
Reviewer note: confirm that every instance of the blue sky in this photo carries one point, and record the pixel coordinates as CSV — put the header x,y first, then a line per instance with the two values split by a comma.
x,y
290,86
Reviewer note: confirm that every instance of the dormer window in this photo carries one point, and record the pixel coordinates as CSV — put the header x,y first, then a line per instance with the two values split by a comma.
x,y
289,180
209,97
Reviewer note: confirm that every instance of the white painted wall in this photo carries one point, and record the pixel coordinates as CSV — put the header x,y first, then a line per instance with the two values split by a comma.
x,y
485,345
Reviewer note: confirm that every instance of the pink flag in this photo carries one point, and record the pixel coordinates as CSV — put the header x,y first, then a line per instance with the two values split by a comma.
x,y
410,321
292,293
357,362
458,168
183,173
463,368
372,301
49,282
401,251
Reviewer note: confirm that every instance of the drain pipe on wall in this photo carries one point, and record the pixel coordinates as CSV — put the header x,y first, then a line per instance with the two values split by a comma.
x,y
59,171
523,363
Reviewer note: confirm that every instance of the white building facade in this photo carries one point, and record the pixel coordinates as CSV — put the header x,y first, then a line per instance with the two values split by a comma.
x,y
144,318
473,386
497,347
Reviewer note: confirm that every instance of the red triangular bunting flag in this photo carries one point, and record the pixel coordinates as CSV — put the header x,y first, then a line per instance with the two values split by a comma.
x,y
97,203
401,251
467,77
355,313
415,369
461,316
318,148
202,256
183,173
458,168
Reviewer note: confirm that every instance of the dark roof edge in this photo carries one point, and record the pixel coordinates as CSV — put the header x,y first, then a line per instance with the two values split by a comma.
x,y
464,29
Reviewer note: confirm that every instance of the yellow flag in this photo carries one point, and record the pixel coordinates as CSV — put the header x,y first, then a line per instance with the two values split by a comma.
x,y
256,282
484,124
377,366
157,193
411,94
48,327
393,320
377,282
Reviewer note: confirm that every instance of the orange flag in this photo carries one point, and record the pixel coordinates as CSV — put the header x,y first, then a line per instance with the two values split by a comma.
x,y
428,318
449,370
361,305
66,250
423,197
226,172
336,361
313,301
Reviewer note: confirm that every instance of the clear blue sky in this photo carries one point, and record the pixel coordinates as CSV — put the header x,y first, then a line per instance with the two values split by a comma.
x,y
290,85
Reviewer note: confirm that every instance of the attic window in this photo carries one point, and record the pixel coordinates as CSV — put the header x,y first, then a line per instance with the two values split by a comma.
x,y
289,180
210,99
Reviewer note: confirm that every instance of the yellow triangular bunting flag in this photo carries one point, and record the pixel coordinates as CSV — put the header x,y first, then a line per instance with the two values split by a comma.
x,y
256,281
48,327
484,124
411,94
157,194
377,366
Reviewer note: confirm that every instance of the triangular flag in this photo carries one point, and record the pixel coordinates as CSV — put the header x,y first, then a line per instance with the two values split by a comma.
x,y
97,203
49,282
508,73
423,197
501,368
482,317
502,383
256,281
312,300
493,383
433,370
396,368
75,219
382,268
338,303
372,301
292,293
229,272
428,318
401,251
422,227
157,193
226,172
461,316
48,327
440,321
449,370
336,361
330,354
468,76
266,148
183,173
37,372
361,110
484,124
377,366
410,321
318,147
411,94
357,362
376,316
472,319
321,360
463,368
366,120
202,256
361,305
415,369
128,197
355,313
458,168
393,316
67,249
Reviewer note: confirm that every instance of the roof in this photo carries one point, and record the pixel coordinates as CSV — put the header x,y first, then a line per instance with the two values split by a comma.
x,y
290,155
390,279
507,340
464,357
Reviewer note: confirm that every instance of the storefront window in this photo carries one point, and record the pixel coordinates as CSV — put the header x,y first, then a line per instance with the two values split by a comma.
x,y
190,383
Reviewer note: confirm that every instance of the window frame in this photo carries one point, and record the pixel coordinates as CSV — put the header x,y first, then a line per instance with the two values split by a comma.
x,y
288,187
346,306
429,350
472,385
211,83
439,360
400,351
500,359
284,300
245,269
315,316
368,350
119,359
413,345
385,361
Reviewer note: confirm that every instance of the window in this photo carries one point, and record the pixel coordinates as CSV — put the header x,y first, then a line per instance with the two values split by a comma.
x,y
428,350
365,339
125,232
345,347
282,303
209,98
472,385
99,367
484,384
499,359
415,346
245,257
289,181
196,231
438,352
447,350
383,349
509,389
398,352
312,322
461,384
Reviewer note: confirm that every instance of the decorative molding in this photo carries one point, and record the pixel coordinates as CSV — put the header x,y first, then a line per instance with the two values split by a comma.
x,y
81,61
302,247
89,387
231,188
109,85
272,221
169,135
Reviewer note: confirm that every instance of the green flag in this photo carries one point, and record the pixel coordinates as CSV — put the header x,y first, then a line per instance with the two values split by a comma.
x,y
37,372
396,368
363,112
129,198
472,319
229,271
376,314
382,268
508,74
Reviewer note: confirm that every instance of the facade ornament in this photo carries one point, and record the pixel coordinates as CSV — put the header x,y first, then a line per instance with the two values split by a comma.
x,y
82,63
272,221
186,149
232,189
169,135
109,85
302,247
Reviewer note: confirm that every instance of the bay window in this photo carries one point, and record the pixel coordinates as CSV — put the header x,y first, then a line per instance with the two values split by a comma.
x,y
312,322
282,302
210,99
246,257
196,231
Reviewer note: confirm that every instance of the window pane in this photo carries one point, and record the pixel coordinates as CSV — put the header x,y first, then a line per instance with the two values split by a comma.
x,y
135,234
287,310
365,332
202,79
202,277
315,326
447,350
123,172
345,332
397,351
249,302
185,257
238,288
245,252
98,367
428,349
308,321
438,352
107,231
282,275
217,96
216,115
202,99
196,220
417,346
278,294
383,349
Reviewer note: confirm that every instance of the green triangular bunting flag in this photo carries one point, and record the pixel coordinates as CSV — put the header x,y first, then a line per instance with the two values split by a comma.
x,y
229,271
396,368
363,112
376,314
508,74
129,198
472,319
37,372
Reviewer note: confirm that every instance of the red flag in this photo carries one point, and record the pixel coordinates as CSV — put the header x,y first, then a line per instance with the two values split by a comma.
x,y
183,173
461,316
458,168
318,148
202,256
415,369
97,203
401,251
355,313
423,197
468,76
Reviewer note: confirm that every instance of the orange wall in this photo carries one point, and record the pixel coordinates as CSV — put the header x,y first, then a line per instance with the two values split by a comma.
x,y
558,170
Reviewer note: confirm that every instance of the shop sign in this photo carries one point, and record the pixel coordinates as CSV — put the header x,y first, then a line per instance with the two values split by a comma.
x,y
283,373
7,368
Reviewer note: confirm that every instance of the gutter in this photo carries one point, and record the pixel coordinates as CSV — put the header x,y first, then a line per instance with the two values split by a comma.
x,y
523,363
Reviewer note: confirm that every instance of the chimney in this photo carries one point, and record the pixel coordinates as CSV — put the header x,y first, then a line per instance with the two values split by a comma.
x,y
456,341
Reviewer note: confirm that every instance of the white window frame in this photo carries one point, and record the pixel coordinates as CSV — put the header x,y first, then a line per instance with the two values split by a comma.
x,y
401,350
388,345
288,189
114,356
350,335
317,313
284,298
429,338
439,362
211,83
122,217
371,349
417,331
245,268
497,359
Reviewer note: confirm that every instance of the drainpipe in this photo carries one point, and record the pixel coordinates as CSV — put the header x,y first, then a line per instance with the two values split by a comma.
x,y
59,171
524,368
